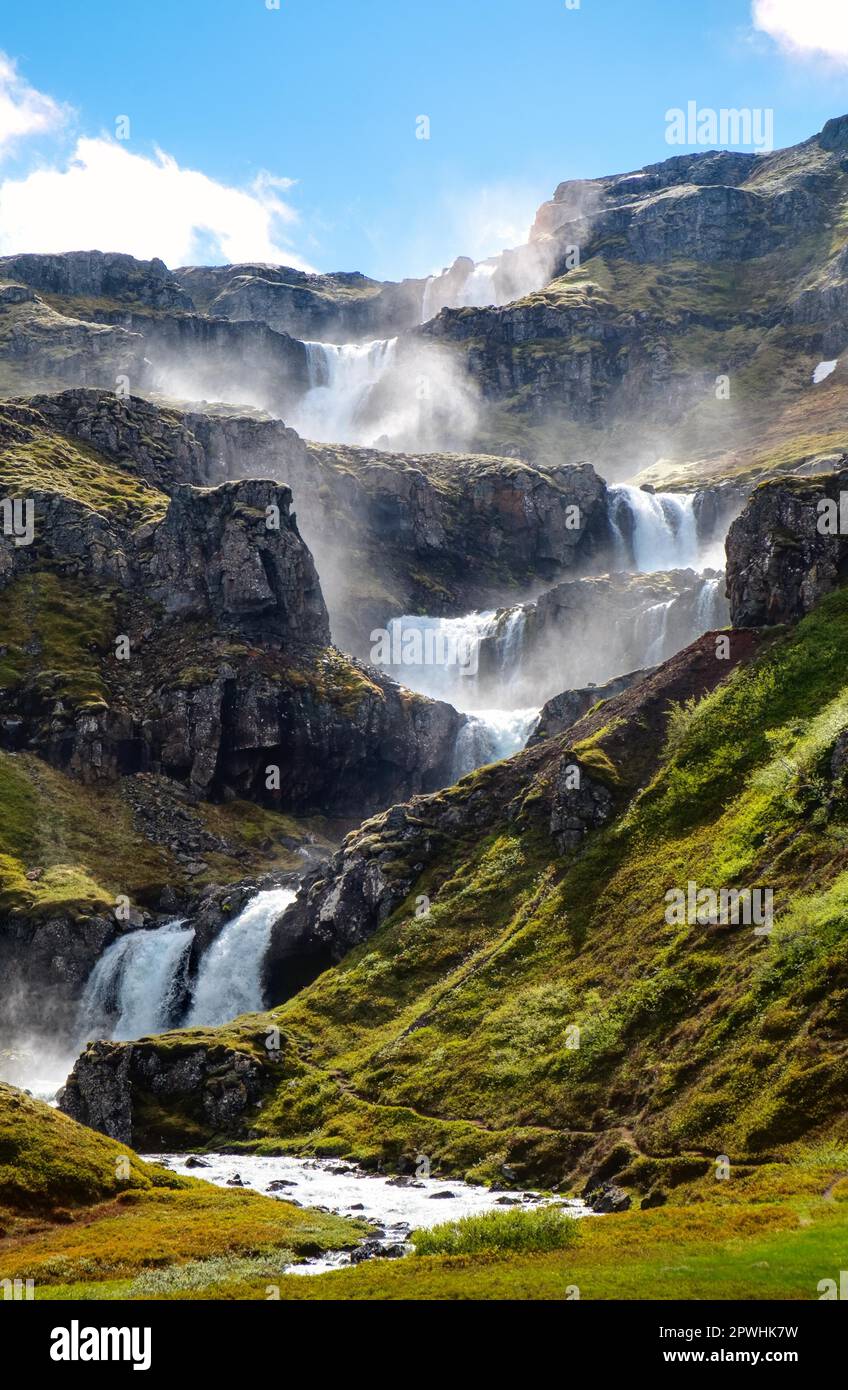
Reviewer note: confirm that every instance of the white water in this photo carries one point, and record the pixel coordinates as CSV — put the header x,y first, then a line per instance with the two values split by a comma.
x,y
135,987
664,529
438,657
347,1191
652,633
341,379
709,613
491,735
229,980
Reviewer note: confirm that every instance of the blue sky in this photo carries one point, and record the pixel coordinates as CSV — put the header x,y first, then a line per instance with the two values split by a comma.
x,y
521,94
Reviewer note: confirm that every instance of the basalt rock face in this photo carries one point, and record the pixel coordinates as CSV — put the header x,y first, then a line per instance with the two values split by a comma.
x,y
225,680
95,274
40,348
390,533
214,1089
235,552
787,549
154,443
562,711
397,533
337,308
195,358
44,965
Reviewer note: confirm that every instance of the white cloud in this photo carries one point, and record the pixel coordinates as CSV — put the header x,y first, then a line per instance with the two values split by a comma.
x,y
23,111
806,28
109,199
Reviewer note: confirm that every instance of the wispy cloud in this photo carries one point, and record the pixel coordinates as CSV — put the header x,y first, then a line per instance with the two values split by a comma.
x,y
23,110
806,28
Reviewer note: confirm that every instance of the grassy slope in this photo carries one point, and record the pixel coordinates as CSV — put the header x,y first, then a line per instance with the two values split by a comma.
x,y
448,1033
75,1205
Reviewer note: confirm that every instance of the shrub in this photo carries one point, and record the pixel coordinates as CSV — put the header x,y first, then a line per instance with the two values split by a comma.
x,y
494,1232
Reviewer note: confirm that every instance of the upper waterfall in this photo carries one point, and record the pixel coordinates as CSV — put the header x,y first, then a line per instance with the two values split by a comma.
x,y
341,379
654,530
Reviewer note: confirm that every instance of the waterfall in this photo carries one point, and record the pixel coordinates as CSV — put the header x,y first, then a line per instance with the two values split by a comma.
x,y
711,610
138,986
229,981
341,379
490,735
476,291
437,656
652,633
510,641
661,533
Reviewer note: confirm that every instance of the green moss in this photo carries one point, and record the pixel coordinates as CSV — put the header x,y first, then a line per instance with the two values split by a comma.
x,y
55,633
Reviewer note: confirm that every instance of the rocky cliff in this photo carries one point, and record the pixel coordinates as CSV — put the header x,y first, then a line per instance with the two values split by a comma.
x,y
788,549
202,647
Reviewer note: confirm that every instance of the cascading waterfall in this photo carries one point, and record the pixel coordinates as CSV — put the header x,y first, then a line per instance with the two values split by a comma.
x,y
711,611
341,379
138,986
229,981
141,986
661,526
438,657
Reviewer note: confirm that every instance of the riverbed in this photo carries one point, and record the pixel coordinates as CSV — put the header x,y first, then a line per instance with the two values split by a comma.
x,y
396,1205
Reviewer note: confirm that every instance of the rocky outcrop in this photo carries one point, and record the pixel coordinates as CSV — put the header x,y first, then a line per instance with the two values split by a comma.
x,y
336,308
45,964
41,348
562,711
99,275
226,681
148,440
199,1088
235,553
787,550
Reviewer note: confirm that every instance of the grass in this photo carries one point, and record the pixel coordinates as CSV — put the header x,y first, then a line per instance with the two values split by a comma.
x,y
499,1232
34,460
54,633
766,1244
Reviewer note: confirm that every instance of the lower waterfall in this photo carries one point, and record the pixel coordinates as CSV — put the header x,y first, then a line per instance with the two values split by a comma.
x,y
229,981
141,983
138,986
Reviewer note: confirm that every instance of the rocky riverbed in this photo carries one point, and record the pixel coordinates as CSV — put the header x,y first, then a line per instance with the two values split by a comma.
x,y
396,1205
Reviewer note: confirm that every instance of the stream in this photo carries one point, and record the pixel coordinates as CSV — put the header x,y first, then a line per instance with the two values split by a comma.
x,y
397,1205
